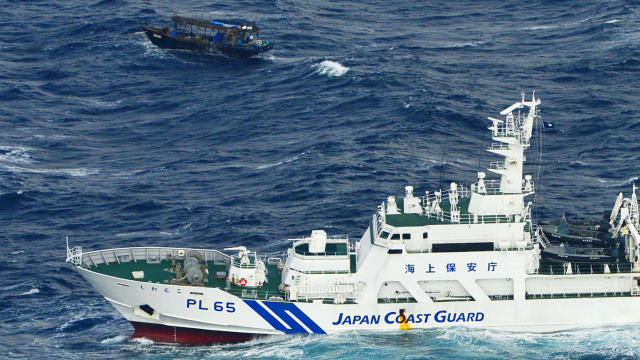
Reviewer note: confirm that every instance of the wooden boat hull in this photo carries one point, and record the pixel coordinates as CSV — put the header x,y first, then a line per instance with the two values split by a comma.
x,y
162,38
166,41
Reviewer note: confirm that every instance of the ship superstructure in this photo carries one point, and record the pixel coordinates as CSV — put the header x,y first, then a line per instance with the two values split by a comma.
x,y
460,256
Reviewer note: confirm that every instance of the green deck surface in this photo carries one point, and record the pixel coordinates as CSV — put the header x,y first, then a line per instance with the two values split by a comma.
x,y
156,273
159,273
403,220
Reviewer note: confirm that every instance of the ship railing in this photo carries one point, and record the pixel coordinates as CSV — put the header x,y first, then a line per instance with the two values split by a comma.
x,y
463,193
331,239
492,187
498,146
503,132
238,263
497,165
324,272
586,269
277,295
257,294
478,219
327,300
526,246
402,300
271,258
591,294
466,218
274,257
312,254
150,255
516,131
74,255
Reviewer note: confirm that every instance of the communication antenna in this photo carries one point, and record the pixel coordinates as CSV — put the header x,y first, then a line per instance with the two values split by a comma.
x,y
441,167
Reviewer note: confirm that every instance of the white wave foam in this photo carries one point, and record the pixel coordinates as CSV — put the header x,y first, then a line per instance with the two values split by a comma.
x,y
31,292
153,233
612,21
77,172
285,161
114,340
465,44
271,347
612,184
143,341
51,137
430,163
579,162
15,154
330,68
150,50
588,18
629,181
100,104
540,27
143,234
11,287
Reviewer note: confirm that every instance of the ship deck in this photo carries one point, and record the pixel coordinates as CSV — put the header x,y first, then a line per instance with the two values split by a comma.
x,y
409,220
160,273
404,220
156,263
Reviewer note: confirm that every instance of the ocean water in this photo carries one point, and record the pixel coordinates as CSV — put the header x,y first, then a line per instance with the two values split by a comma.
x,y
113,142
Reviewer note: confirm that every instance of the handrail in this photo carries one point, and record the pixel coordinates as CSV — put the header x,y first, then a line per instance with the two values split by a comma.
x,y
497,165
493,188
106,256
306,253
585,269
498,146
314,272
592,294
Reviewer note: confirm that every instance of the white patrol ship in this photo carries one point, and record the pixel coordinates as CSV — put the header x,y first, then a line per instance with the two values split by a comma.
x,y
467,256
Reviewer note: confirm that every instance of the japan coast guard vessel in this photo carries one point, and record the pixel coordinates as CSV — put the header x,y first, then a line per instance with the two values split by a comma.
x,y
462,256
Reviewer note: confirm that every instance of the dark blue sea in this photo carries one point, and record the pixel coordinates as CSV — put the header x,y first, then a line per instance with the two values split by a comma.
x,y
113,142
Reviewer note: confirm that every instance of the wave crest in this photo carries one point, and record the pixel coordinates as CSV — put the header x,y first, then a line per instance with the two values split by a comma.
x,y
16,155
330,68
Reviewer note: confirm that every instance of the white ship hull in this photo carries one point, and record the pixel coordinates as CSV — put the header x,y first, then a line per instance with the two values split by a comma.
x,y
183,315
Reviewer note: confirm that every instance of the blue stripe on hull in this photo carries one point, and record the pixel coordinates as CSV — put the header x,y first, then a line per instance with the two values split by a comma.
x,y
284,311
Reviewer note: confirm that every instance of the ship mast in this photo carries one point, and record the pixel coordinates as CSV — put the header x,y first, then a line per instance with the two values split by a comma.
x,y
511,136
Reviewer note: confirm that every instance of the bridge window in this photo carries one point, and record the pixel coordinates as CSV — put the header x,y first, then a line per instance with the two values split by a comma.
x,y
384,235
425,235
395,237
406,236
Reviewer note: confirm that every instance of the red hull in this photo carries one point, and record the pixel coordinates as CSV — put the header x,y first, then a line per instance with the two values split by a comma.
x,y
187,336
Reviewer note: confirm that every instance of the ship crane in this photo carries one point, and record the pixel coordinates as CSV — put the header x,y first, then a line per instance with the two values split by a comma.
x,y
626,209
243,253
